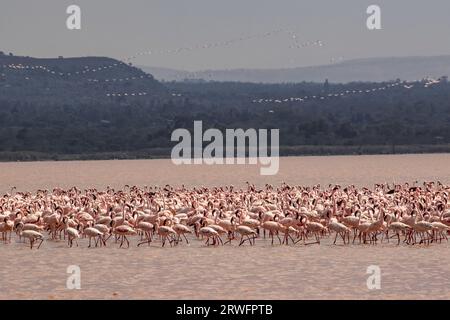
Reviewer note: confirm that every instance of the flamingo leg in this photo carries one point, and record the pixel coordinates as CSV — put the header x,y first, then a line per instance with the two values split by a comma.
x,y
335,238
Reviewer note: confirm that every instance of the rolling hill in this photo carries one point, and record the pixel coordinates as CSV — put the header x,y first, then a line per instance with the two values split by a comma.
x,y
76,108
72,79
368,70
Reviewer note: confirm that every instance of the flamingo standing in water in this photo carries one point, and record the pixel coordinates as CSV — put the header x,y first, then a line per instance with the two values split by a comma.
x,y
33,236
92,232
122,231
178,215
247,232
166,232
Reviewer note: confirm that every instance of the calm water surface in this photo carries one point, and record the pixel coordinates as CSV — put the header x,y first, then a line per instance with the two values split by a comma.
x,y
230,272
358,170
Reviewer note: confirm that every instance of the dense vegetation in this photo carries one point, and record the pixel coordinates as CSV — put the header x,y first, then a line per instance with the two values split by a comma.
x,y
46,115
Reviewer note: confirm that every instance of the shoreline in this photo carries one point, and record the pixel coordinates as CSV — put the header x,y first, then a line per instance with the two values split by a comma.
x,y
285,151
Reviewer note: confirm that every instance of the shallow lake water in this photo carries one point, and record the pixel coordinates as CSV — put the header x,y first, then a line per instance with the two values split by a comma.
x,y
193,271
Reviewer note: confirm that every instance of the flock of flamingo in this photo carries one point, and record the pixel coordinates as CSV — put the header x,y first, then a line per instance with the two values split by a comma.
x,y
408,214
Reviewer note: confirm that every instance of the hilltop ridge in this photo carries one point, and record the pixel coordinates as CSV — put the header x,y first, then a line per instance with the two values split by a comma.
x,y
84,108
28,78
365,70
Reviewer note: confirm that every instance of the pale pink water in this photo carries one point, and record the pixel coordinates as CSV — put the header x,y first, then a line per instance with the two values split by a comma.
x,y
358,170
229,272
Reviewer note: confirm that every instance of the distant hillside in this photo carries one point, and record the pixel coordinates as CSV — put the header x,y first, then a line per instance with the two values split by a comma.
x,y
59,109
71,79
370,70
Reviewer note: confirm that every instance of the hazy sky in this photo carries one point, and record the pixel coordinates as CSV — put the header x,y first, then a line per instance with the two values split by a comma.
x,y
120,28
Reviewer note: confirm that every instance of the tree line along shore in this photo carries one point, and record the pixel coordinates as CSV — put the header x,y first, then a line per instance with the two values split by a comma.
x,y
164,153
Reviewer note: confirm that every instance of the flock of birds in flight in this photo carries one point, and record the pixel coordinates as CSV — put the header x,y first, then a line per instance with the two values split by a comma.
x,y
286,215
127,61
427,82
